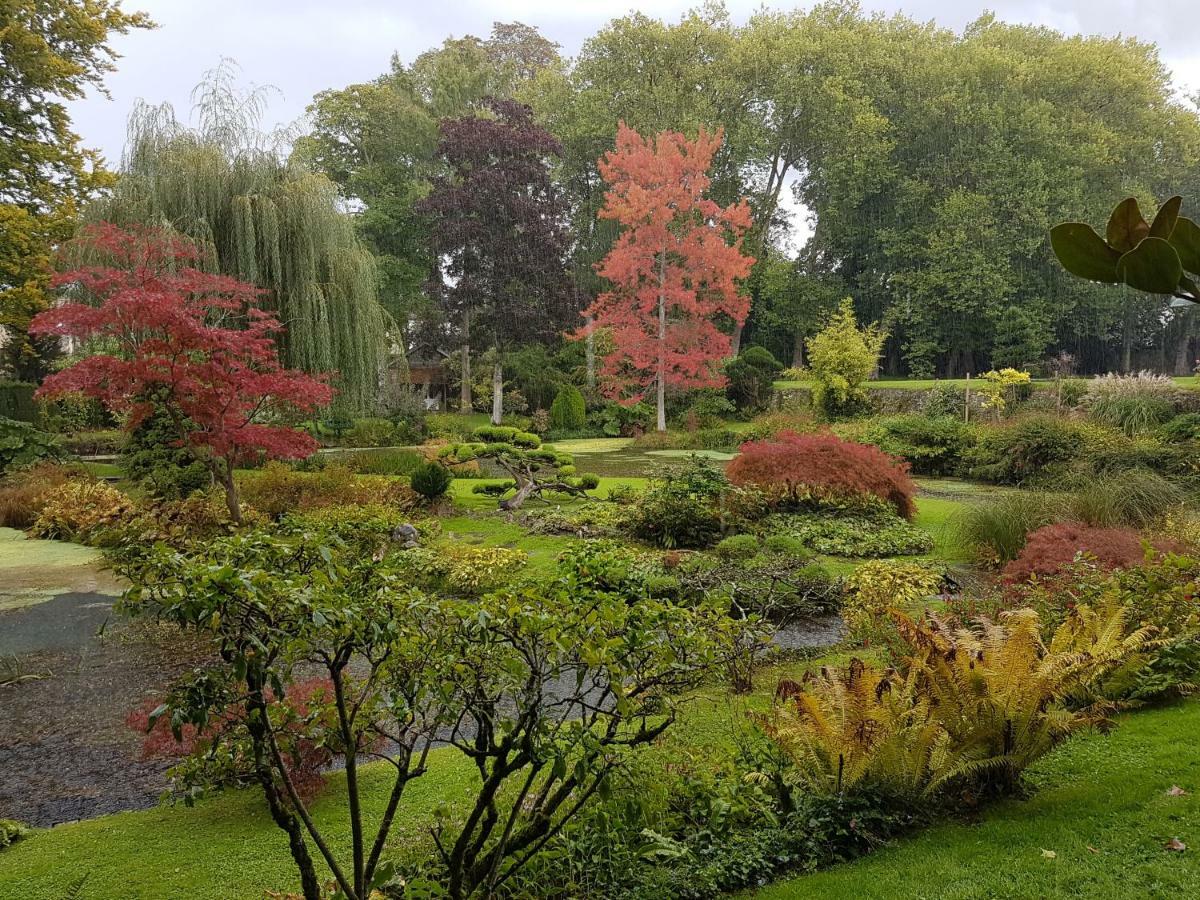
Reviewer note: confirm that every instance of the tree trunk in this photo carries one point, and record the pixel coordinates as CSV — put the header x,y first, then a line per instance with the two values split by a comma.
x,y
735,344
519,498
223,471
1183,354
497,393
590,353
798,351
661,388
464,395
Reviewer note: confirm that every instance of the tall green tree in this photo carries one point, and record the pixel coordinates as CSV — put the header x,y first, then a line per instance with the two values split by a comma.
x,y
51,51
263,219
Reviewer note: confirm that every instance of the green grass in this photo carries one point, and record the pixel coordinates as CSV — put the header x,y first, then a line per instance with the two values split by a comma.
x,y
104,470
1105,792
1101,808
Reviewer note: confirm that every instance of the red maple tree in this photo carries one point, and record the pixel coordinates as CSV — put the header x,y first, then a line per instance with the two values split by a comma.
x,y
675,267
194,344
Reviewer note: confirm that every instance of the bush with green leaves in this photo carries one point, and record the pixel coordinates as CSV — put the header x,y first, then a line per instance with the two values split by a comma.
x,y
681,507
1027,450
23,445
12,831
549,689
751,379
154,458
1135,499
536,470
620,420
568,412
1181,429
431,480
1135,404
862,535
932,446
841,359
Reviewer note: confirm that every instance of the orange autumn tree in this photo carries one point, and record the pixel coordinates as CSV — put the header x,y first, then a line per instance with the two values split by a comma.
x,y
674,269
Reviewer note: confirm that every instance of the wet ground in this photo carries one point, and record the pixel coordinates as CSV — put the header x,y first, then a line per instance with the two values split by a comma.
x,y
70,671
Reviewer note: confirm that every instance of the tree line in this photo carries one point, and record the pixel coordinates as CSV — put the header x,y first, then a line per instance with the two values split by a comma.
x,y
455,202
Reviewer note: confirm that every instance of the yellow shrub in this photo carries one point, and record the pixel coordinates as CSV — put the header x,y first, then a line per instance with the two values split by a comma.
x,y
881,585
81,510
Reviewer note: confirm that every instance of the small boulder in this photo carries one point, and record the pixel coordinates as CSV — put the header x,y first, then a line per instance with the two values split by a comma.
x,y
407,535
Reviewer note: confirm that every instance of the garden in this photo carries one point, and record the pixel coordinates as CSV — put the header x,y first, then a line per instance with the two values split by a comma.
x,y
537,528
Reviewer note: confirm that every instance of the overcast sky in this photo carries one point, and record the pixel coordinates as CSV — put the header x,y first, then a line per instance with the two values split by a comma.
x,y
305,46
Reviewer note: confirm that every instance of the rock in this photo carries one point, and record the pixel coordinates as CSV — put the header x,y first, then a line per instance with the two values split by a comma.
x,y
407,535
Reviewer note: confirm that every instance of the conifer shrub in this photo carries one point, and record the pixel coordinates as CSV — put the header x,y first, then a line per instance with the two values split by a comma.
x,y
568,412
431,480
806,470
932,445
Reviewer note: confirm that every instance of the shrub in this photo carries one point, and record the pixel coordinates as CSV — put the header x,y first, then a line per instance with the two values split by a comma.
x,y
1181,429
943,401
568,412
680,507
619,420
154,458
841,358
431,480
932,446
878,586
1135,499
751,379
1052,548
23,445
82,511
12,831
24,493
1037,447
737,546
1132,403
391,461
277,490
855,535
813,469
94,442
786,544
999,388
967,709
995,530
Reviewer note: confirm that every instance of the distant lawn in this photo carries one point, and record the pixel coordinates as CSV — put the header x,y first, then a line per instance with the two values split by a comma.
x,y
1094,828
923,384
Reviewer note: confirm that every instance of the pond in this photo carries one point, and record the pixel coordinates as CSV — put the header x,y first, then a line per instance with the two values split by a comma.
x,y
620,458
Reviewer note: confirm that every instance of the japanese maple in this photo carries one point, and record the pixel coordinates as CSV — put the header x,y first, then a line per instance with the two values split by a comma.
x,y
195,344
674,269
798,469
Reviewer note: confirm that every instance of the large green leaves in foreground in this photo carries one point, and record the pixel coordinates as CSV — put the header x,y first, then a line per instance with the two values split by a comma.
x,y
1154,257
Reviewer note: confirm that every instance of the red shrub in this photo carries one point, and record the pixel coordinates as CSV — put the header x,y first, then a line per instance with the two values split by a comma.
x,y
1052,548
800,468
305,758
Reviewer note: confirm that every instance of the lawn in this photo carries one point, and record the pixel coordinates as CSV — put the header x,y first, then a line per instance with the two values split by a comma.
x,y
1101,792
1095,827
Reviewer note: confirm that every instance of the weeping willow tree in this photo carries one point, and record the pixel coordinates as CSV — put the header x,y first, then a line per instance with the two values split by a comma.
x,y
257,215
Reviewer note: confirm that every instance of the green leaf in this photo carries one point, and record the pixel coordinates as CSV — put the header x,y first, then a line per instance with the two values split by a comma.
x,y
1186,241
1126,227
1167,216
1083,253
1152,266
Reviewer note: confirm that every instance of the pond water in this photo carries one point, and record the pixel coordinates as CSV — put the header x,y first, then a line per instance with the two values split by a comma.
x,y
619,458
